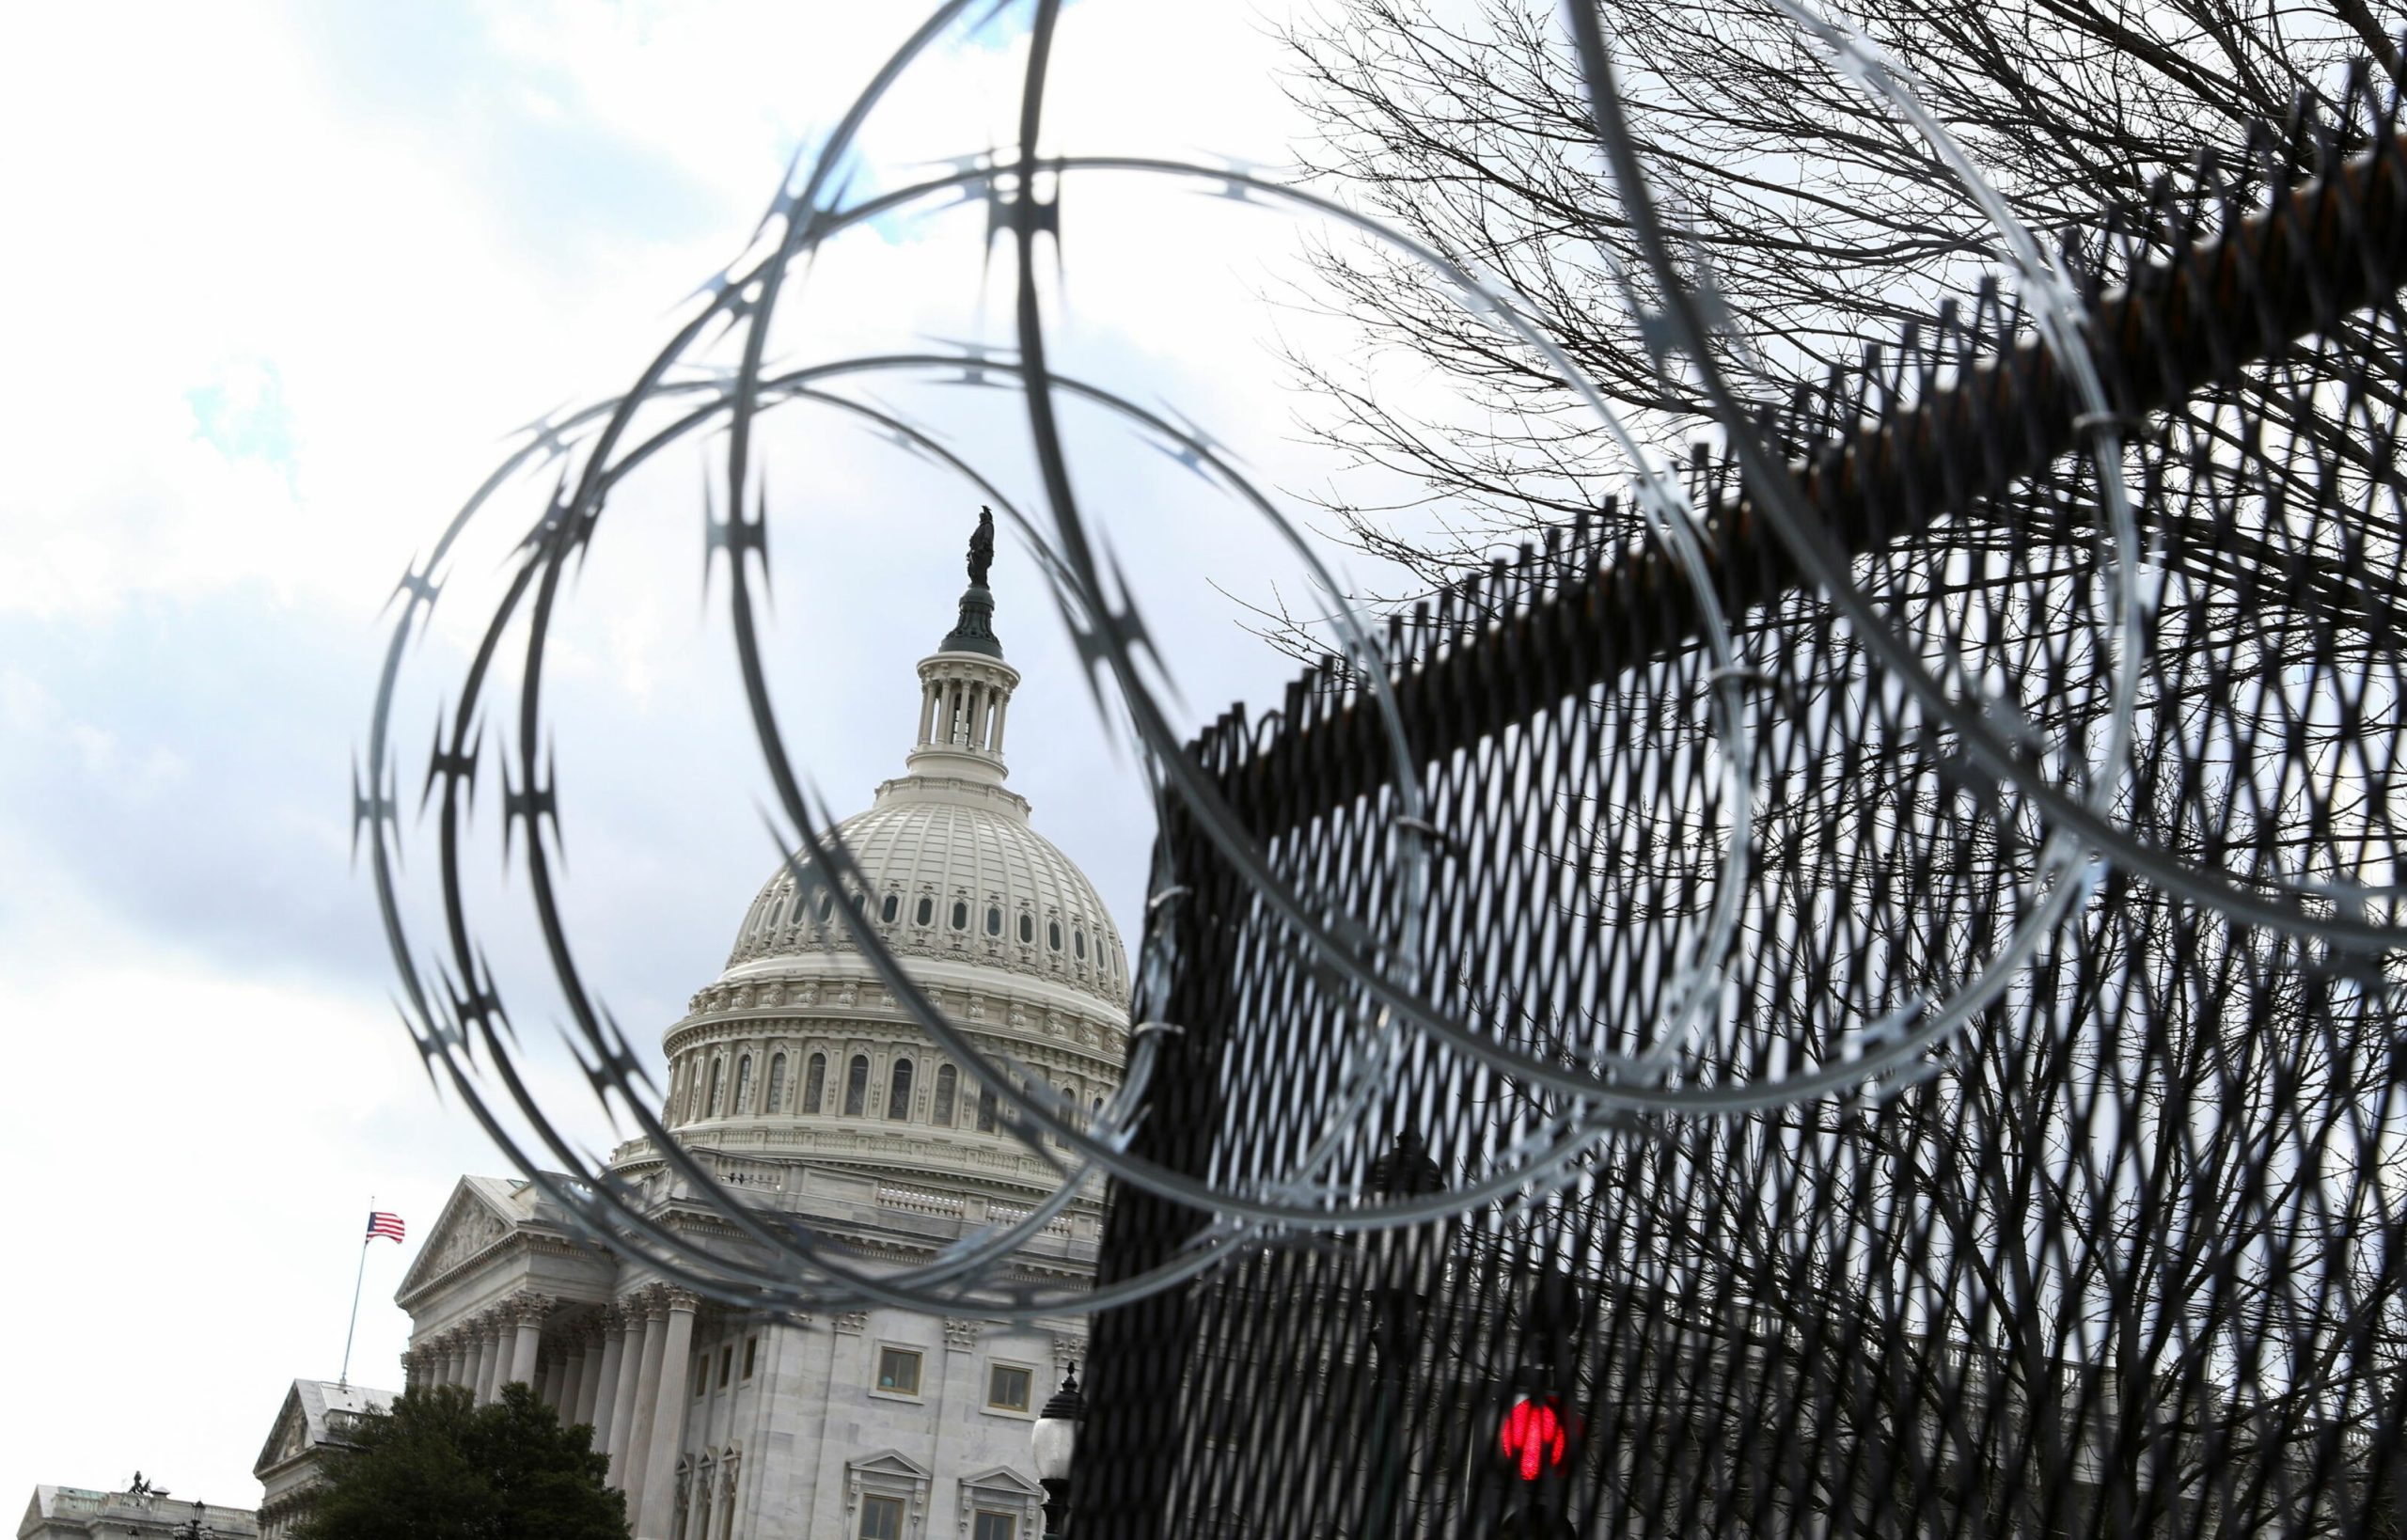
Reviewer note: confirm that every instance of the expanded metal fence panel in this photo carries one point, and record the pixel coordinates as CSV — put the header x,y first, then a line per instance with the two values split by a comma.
x,y
2119,1251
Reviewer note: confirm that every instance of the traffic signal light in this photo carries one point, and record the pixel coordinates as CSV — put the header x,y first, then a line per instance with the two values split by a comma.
x,y
1536,1437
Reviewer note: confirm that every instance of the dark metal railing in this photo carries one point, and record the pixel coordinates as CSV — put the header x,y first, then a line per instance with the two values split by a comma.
x,y
2123,1254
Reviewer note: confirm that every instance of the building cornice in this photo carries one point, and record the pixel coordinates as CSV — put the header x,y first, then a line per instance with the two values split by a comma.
x,y
1003,1001
848,1238
945,956
981,1166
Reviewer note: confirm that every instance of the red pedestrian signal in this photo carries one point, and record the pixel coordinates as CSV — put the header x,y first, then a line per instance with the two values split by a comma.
x,y
1536,1437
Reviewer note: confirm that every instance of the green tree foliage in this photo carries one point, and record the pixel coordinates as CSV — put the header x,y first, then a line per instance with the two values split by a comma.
x,y
439,1468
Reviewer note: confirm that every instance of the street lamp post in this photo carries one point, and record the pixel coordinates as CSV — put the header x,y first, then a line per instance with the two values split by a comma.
x,y
195,1528
1055,1438
1399,1312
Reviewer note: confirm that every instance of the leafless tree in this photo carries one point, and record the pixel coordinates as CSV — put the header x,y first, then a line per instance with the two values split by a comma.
x,y
1823,226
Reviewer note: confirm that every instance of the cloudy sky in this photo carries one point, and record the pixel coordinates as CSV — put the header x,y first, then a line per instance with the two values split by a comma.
x,y
282,278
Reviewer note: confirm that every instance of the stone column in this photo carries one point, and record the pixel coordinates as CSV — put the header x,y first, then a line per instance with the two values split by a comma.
x,y
568,1374
493,1337
659,1508
654,1304
598,1338
622,1386
605,1389
472,1359
526,1337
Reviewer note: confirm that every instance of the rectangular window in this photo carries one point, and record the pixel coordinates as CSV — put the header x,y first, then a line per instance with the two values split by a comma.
x,y
726,1364
1007,1388
881,1519
702,1375
898,1369
752,1351
994,1526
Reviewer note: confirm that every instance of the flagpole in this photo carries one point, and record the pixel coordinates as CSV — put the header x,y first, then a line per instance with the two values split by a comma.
x,y
352,1330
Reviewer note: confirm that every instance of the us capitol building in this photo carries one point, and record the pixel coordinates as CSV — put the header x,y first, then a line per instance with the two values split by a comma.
x,y
796,1078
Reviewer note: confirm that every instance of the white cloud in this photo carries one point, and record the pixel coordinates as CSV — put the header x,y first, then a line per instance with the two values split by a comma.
x,y
297,269
195,1154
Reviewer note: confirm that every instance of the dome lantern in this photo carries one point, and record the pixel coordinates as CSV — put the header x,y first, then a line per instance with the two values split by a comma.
x,y
964,685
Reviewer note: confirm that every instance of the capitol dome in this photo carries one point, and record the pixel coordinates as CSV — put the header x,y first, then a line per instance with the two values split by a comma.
x,y
947,870
798,1052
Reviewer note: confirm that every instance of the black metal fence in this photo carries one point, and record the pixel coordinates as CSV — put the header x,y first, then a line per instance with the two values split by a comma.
x,y
2121,1256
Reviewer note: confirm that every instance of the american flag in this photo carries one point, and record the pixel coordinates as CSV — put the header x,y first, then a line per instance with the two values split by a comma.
x,y
387,1225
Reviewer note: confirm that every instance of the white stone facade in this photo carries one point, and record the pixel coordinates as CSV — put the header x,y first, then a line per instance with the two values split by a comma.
x,y
317,1417
77,1512
795,1077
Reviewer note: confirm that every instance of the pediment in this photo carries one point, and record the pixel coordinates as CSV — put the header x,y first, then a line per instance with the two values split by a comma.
x,y
288,1437
1004,1479
472,1222
892,1463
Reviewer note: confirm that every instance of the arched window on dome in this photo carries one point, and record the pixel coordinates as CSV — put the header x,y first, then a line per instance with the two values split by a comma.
x,y
777,1084
1053,933
893,908
948,1085
994,919
716,1065
743,1085
1098,1106
1027,929
856,1087
814,1088
1079,943
898,1091
926,913
985,1109
959,914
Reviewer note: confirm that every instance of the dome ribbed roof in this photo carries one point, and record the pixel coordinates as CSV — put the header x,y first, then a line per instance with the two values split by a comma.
x,y
953,870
